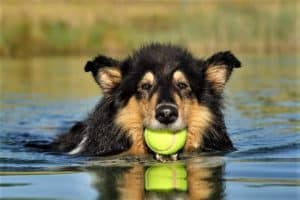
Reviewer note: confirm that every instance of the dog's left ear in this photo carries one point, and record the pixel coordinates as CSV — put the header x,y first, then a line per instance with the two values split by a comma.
x,y
219,67
106,72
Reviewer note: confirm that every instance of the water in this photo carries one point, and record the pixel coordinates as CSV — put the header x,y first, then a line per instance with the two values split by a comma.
x,y
43,97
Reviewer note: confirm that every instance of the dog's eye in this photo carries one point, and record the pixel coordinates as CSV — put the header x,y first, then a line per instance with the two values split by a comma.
x,y
181,85
146,86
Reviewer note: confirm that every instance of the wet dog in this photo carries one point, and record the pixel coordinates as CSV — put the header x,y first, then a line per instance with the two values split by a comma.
x,y
157,87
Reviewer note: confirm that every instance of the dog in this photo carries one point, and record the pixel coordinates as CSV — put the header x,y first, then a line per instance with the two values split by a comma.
x,y
159,86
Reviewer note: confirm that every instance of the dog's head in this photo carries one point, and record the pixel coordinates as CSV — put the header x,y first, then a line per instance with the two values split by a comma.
x,y
164,87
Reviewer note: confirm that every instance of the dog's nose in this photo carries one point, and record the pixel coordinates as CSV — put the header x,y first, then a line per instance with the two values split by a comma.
x,y
166,114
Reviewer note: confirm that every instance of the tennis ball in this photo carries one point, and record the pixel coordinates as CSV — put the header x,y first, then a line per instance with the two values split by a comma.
x,y
165,142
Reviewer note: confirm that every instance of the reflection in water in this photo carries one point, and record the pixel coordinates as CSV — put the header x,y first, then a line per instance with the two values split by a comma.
x,y
53,78
166,178
189,180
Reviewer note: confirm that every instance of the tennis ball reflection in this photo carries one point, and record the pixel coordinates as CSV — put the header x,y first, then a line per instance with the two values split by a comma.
x,y
166,178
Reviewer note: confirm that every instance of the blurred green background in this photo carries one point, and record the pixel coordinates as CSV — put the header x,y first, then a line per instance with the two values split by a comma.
x,y
78,27
44,44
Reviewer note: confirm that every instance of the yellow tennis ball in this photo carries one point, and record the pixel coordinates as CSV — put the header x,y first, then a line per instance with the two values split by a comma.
x,y
165,142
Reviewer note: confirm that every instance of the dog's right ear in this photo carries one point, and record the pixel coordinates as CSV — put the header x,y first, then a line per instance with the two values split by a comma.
x,y
106,72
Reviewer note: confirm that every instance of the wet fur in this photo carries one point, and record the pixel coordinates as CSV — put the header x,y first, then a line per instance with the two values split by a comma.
x,y
116,123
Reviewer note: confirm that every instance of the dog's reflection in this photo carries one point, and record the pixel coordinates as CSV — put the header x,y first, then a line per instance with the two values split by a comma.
x,y
162,181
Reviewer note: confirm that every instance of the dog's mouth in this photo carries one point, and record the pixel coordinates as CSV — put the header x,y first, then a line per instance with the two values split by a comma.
x,y
159,129
165,143
154,124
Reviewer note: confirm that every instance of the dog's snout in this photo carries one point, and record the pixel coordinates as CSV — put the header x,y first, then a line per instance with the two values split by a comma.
x,y
166,114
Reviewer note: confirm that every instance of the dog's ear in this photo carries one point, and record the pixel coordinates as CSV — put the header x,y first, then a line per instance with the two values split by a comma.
x,y
106,72
219,67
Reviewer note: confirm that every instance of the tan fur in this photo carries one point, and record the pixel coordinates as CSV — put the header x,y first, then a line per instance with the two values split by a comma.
x,y
179,76
130,118
218,76
108,78
197,118
148,78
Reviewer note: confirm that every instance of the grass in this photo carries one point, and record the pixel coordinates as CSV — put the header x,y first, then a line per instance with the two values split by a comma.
x,y
77,28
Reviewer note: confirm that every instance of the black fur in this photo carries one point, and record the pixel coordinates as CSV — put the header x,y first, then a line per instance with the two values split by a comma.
x,y
105,137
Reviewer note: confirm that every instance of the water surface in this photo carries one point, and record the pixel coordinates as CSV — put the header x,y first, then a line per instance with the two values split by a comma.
x,y
42,97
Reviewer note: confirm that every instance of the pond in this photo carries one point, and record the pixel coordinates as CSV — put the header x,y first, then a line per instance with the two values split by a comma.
x,y
42,97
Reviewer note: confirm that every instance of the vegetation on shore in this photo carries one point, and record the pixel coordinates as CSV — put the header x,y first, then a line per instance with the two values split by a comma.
x,y
76,28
